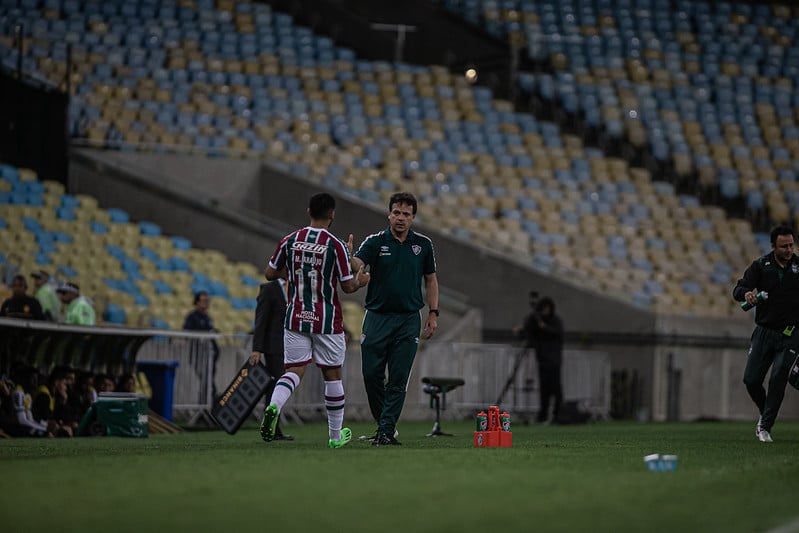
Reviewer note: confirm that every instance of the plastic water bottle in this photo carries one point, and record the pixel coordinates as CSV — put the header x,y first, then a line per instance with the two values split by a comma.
x,y
482,421
761,296
504,419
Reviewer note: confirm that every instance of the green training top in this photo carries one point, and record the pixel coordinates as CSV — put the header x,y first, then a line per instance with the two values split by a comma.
x,y
49,301
80,312
397,269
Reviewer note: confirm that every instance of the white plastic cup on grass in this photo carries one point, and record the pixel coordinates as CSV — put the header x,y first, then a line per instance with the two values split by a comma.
x,y
652,462
668,463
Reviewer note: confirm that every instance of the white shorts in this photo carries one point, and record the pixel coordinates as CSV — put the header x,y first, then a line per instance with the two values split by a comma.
x,y
325,349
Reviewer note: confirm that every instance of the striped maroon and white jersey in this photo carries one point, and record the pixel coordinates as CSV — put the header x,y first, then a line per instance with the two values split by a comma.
x,y
316,260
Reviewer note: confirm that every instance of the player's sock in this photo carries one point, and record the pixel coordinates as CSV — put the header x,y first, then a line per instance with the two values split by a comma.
x,y
334,402
284,388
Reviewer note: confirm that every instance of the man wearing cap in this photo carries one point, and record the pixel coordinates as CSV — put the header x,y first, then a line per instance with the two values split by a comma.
x,y
45,293
79,311
20,305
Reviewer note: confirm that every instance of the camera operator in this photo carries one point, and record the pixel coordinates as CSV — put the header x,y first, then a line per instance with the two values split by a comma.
x,y
543,333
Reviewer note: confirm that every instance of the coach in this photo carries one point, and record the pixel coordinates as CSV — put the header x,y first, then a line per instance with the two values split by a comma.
x,y
398,259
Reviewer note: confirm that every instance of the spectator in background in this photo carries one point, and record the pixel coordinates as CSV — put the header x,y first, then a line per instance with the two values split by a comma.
x,y
7,415
103,383
543,330
71,379
52,405
66,408
200,320
26,379
46,294
20,305
267,336
79,310
86,394
126,383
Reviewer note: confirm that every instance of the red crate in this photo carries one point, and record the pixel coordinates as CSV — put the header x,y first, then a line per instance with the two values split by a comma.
x,y
493,439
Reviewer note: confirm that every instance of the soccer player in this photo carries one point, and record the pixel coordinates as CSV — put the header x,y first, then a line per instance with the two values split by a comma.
x,y
314,262
399,259
775,341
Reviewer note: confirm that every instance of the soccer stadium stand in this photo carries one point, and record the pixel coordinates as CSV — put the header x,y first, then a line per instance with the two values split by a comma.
x,y
135,275
237,79
708,88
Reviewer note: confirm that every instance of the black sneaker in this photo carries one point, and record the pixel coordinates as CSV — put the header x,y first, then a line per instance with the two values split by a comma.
x,y
372,438
385,440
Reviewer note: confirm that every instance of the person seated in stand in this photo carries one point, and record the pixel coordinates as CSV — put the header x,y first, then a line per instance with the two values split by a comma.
x,y
86,394
26,382
46,295
66,411
8,419
126,383
103,383
79,310
20,305
52,406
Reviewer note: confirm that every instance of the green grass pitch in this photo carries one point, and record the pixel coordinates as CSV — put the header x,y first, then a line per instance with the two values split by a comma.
x,y
555,478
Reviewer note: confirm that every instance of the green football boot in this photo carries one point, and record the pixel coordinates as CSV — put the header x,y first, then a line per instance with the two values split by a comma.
x,y
268,423
346,437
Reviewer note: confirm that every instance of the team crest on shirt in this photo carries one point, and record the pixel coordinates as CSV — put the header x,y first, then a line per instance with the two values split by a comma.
x,y
795,268
416,249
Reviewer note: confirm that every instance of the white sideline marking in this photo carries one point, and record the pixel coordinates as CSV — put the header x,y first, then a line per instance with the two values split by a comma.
x,y
790,527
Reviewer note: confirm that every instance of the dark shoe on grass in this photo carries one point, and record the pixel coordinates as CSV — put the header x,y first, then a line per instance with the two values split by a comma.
x,y
385,440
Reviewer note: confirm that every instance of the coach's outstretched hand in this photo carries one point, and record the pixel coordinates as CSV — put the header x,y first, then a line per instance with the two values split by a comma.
x,y
363,276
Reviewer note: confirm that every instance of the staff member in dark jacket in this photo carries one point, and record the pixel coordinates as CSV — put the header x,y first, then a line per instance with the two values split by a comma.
x,y
544,332
200,320
20,305
774,341
267,336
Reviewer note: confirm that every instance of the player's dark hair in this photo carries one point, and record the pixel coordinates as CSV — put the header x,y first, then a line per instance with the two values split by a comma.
x,y
321,206
781,230
402,198
198,295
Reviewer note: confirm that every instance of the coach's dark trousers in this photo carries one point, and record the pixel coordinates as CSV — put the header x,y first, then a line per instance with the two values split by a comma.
x,y
769,348
389,342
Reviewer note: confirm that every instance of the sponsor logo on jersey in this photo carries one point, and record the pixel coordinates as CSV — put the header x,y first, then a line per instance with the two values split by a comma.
x,y
416,249
384,251
307,316
795,269
309,247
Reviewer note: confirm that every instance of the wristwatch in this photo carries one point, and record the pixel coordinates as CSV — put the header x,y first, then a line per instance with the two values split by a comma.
x,y
435,311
